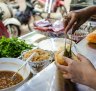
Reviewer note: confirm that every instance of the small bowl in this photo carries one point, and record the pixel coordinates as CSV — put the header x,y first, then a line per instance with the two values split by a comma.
x,y
12,64
37,66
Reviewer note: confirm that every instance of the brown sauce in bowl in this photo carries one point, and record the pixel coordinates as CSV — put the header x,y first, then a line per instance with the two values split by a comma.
x,y
6,81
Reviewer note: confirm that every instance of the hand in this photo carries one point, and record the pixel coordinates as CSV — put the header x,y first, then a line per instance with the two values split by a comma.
x,y
75,19
81,72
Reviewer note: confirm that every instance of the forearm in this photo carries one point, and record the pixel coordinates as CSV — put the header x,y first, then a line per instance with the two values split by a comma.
x,y
91,10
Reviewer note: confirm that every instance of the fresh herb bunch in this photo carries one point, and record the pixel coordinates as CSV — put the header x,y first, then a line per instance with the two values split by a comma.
x,y
12,47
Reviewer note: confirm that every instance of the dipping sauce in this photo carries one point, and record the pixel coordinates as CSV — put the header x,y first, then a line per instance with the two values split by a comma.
x,y
6,81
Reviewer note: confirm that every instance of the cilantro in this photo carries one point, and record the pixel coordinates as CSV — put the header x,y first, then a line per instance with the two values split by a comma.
x,y
12,47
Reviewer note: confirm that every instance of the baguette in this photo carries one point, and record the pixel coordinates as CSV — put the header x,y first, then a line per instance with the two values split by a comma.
x,y
91,38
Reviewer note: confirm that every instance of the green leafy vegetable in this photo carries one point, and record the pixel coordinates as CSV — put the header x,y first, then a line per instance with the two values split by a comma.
x,y
12,47
68,52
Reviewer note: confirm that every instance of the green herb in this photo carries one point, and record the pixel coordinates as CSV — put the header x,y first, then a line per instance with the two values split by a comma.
x,y
68,52
12,47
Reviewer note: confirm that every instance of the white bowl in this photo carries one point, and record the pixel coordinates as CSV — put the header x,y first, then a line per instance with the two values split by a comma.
x,y
12,64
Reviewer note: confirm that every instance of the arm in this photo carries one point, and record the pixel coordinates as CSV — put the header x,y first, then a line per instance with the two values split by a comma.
x,y
91,10
77,18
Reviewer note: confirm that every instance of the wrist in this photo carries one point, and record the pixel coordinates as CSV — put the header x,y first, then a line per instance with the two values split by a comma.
x,y
91,80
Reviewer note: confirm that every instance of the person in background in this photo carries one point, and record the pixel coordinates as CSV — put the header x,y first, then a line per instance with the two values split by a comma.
x,y
83,71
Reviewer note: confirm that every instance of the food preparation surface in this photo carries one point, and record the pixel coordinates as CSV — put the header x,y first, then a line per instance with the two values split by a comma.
x,y
88,50
32,37
50,79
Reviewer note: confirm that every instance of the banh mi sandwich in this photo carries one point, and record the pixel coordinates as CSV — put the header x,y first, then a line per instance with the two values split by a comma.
x,y
68,53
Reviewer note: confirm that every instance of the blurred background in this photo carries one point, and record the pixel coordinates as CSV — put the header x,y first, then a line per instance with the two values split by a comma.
x,y
19,15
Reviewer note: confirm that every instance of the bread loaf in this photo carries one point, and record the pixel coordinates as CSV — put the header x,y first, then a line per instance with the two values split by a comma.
x,y
91,37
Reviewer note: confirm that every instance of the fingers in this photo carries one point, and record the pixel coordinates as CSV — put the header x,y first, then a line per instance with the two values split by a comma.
x,y
68,60
69,24
66,20
65,68
76,26
62,68
67,76
65,23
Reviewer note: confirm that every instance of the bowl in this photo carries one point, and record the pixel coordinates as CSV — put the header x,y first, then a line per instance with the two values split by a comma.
x,y
12,64
38,63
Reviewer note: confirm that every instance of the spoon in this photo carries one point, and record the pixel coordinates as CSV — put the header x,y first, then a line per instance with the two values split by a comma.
x,y
23,65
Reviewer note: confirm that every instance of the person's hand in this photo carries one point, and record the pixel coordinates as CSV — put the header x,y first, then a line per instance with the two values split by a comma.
x,y
81,72
75,19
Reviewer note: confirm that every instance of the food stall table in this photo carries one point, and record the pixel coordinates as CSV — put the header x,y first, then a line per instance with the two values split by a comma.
x,y
50,79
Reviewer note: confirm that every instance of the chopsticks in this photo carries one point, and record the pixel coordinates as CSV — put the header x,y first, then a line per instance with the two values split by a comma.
x,y
71,46
66,53
65,36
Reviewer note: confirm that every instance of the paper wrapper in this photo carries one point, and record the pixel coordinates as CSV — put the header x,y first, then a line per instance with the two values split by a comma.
x,y
58,81
63,84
